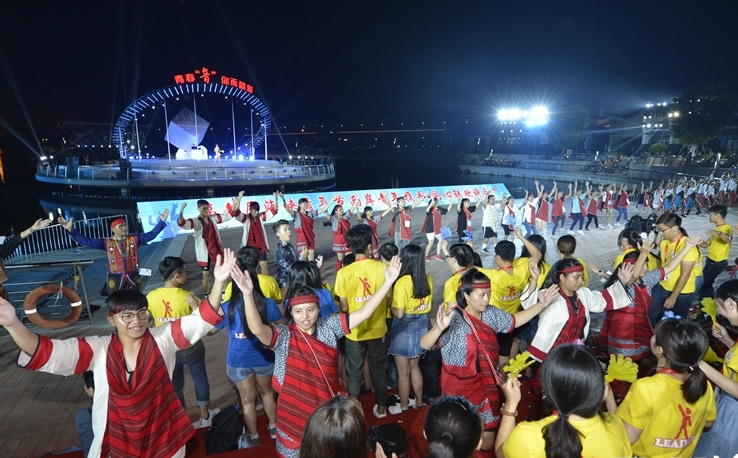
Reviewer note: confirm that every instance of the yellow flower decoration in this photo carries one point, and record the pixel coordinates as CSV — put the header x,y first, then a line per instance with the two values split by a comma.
x,y
710,308
621,368
518,364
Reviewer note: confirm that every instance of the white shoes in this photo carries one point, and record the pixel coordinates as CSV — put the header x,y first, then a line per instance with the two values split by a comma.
x,y
571,232
202,423
580,232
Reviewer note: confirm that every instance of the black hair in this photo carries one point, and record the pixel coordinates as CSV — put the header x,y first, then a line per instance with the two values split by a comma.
x,y
279,224
413,264
336,207
303,199
556,270
567,245
303,273
574,384
387,251
684,344
235,306
366,209
202,202
254,205
336,429
669,219
125,299
719,209
464,200
462,253
539,242
453,428
466,285
632,236
348,259
170,266
359,238
477,259
248,255
728,290
89,378
505,249
614,276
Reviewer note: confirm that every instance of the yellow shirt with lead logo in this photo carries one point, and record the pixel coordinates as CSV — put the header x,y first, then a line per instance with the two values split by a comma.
x,y
671,425
717,249
357,282
668,251
402,297
451,287
508,285
168,304
268,285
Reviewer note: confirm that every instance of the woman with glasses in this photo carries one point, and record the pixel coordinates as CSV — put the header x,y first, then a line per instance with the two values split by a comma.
x,y
135,410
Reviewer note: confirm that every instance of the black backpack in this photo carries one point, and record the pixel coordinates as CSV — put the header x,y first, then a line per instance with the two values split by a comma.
x,y
224,433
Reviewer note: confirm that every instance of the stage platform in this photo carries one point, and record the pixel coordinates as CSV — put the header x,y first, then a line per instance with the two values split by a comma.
x,y
160,174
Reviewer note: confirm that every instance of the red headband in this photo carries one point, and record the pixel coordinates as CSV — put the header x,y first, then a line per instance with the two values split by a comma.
x,y
629,261
572,269
304,299
117,222
478,285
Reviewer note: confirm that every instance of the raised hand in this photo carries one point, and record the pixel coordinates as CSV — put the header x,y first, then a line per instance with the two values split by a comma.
x,y
223,265
41,223
393,269
548,295
511,388
182,207
242,280
65,224
647,245
625,273
443,319
164,215
7,313
533,267
694,241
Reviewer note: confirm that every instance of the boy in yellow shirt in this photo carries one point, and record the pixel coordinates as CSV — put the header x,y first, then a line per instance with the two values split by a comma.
x,y
718,249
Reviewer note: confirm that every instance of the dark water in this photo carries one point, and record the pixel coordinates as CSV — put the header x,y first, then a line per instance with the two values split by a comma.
x,y
24,200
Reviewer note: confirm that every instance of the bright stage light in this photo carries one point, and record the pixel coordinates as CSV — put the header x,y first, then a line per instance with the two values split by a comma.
x,y
510,114
538,116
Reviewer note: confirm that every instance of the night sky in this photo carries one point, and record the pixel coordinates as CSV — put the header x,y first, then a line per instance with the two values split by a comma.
x,y
332,63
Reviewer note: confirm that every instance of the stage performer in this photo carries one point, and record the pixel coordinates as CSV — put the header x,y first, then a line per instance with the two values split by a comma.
x,y
467,337
135,411
306,353
627,331
567,319
217,152
403,234
490,225
304,224
254,233
557,208
122,250
368,218
544,208
10,244
464,210
340,224
207,238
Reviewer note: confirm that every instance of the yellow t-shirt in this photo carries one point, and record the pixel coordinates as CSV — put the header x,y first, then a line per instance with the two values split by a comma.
x,y
356,283
586,273
402,297
168,304
508,285
668,251
268,286
450,288
544,269
671,426
652,262
717,250
600,439
730,364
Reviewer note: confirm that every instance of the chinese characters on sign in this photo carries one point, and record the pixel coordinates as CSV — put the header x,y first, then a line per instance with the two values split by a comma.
x,y
205,73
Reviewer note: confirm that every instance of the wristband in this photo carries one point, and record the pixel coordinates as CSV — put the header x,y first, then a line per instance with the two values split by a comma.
x,y
508,413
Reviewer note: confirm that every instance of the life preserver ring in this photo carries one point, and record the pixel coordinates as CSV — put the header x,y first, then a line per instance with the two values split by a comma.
x,y
29,306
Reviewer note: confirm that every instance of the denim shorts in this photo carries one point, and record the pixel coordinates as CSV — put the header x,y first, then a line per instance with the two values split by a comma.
x,y
406,334
236,374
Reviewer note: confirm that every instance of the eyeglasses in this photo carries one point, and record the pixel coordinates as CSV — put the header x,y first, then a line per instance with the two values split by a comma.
x,y
184,270
128,317
448,256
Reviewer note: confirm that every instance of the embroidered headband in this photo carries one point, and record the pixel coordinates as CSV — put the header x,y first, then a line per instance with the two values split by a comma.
x,y
572,269
117,222
478,285
304,299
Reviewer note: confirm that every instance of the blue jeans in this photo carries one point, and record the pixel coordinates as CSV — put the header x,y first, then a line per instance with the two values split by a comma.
x,y
529,228
658,297
576,217
622,213
194,358
83,421
711,271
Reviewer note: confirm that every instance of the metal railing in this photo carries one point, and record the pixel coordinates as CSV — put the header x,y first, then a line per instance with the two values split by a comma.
x,y
176,173
55,239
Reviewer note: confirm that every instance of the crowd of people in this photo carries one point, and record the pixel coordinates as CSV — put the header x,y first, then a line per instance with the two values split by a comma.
x,y
307,349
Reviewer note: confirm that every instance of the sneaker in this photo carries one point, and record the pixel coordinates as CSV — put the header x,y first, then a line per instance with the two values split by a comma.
x,y
438,258
375,410
394,410
412,402
609,226
484,250
202,423
272,430
246,441
427,258
580,232
571,232
602,227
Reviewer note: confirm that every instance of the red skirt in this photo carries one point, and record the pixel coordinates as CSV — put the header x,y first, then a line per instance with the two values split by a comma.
x,y
339,243
303,242
627,332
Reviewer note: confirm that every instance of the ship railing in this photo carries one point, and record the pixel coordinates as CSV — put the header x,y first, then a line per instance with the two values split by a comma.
x,y
175,173
55,239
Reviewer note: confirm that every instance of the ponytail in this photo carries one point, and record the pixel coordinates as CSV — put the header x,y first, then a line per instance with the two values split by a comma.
x,y
562,439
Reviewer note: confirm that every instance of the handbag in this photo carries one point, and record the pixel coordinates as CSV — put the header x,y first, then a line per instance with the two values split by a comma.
x,y
391,436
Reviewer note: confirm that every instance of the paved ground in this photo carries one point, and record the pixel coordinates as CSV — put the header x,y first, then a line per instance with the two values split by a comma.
x,y
37,410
